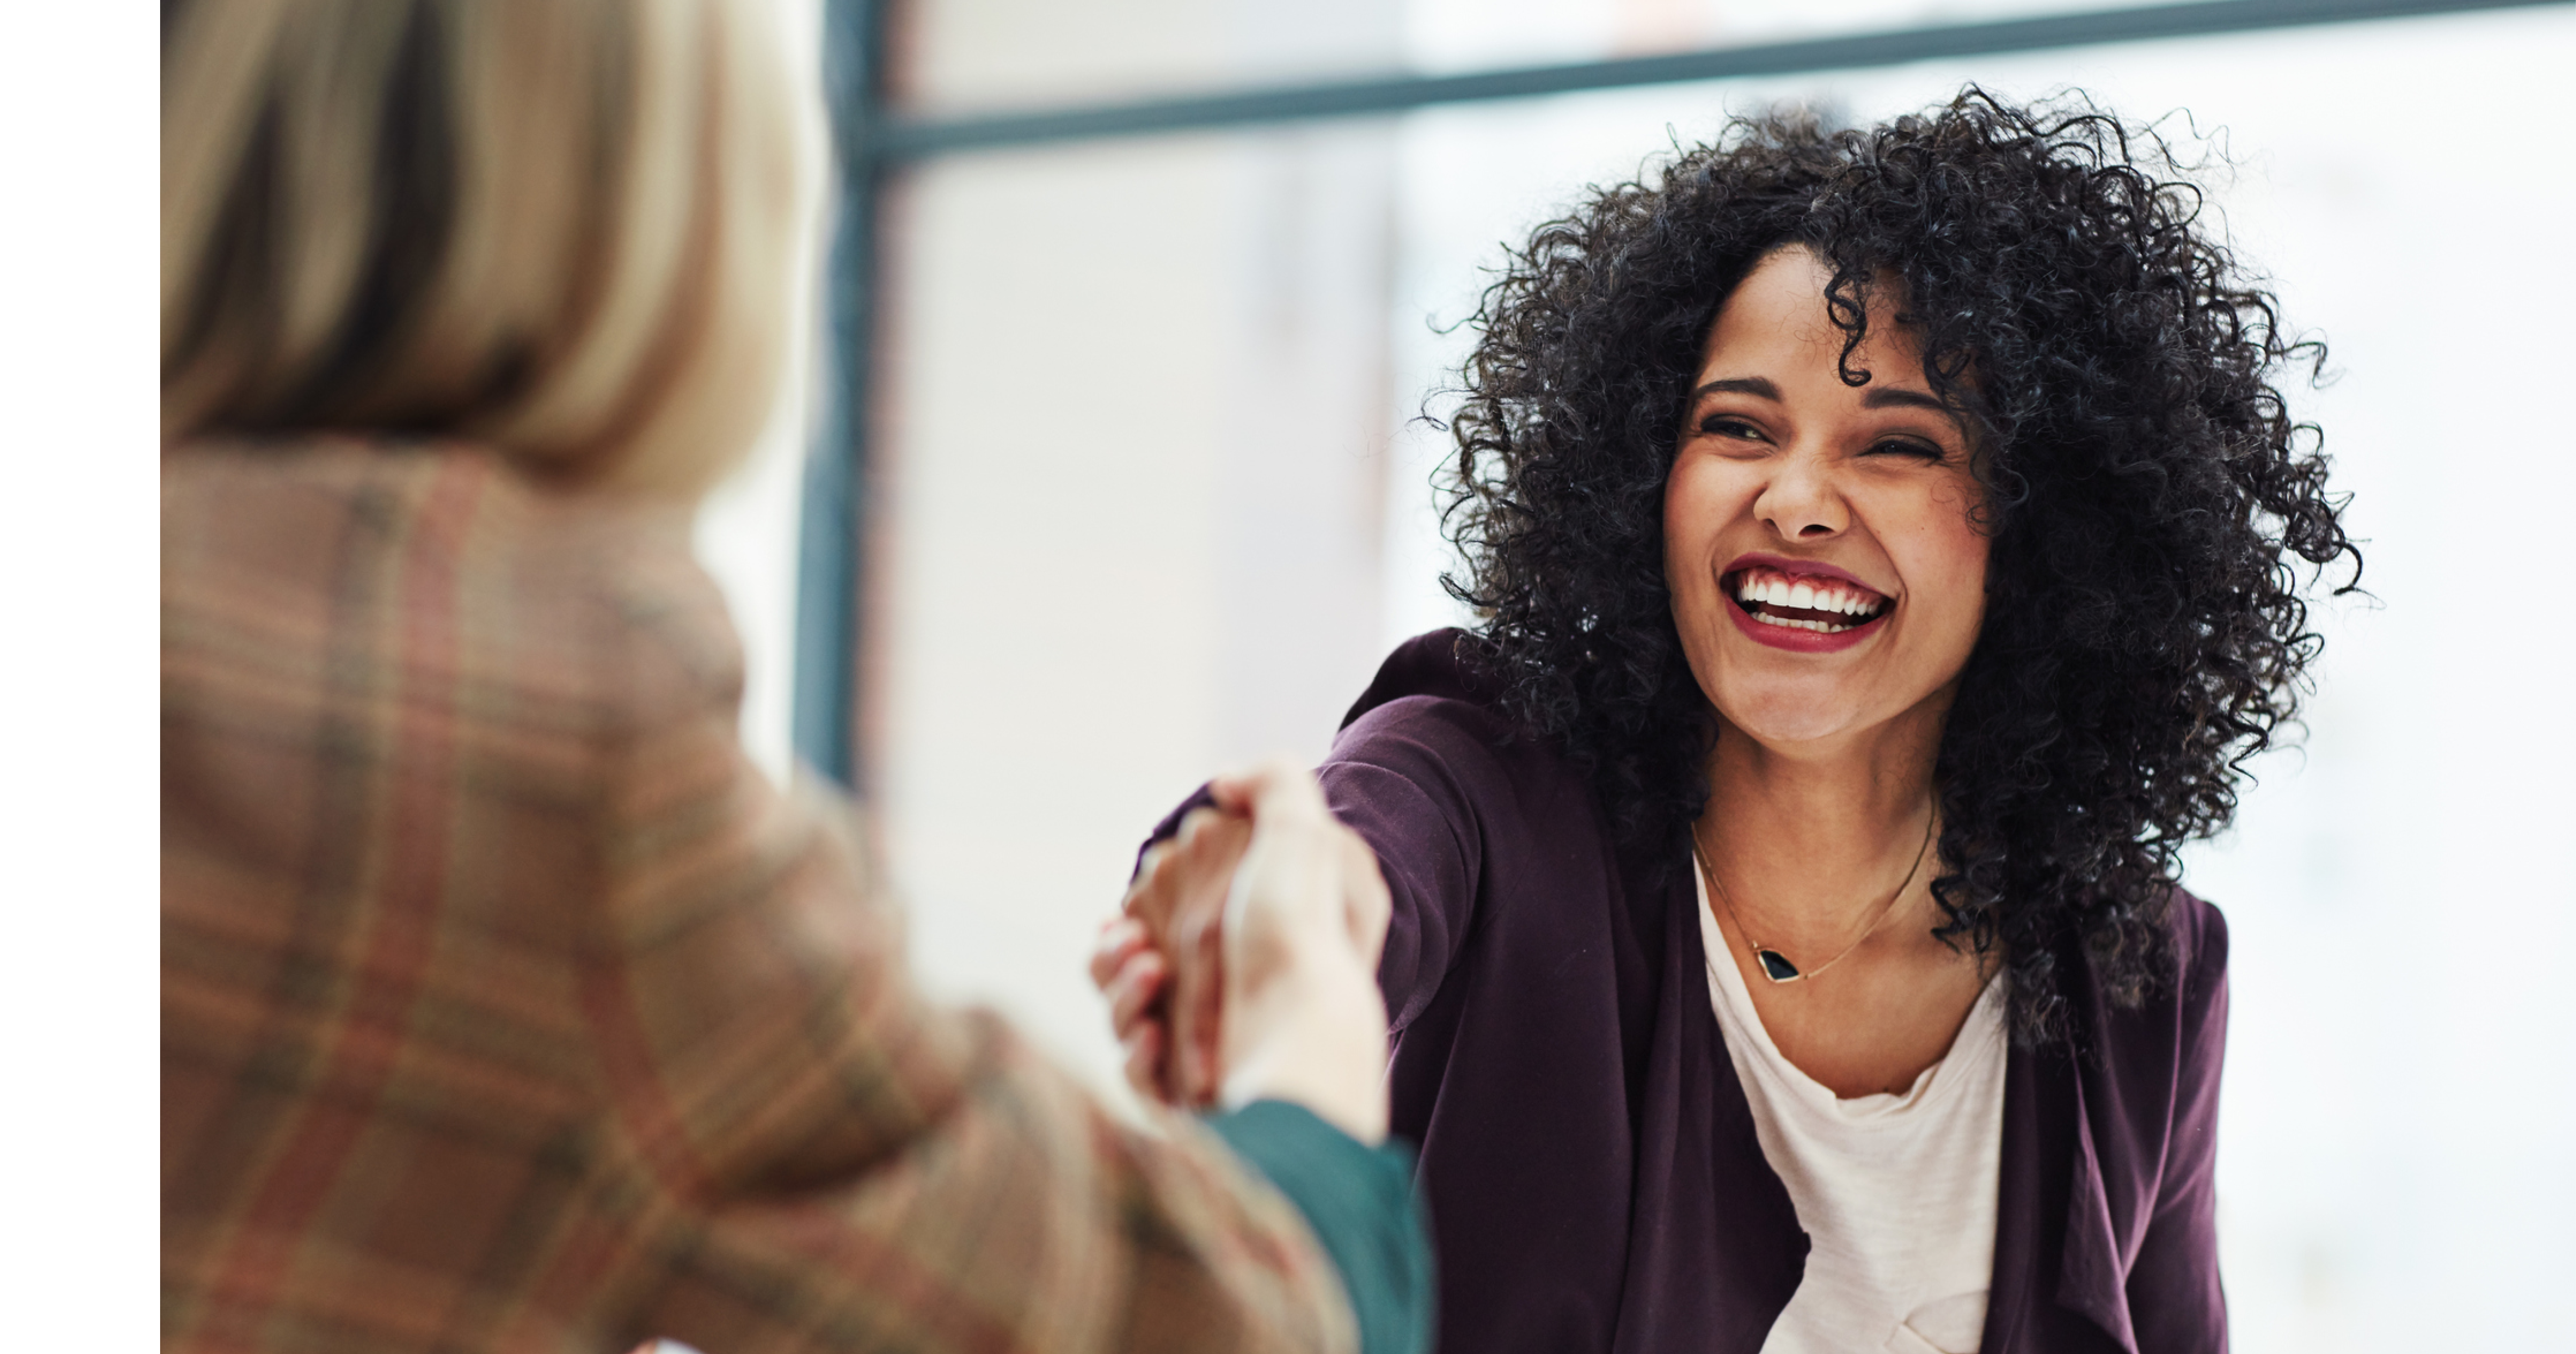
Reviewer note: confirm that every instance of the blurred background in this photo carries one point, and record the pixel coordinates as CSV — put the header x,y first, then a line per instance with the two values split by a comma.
x,y
1146,492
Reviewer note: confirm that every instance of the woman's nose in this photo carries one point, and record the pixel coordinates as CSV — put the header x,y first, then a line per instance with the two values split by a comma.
x,y
1801,502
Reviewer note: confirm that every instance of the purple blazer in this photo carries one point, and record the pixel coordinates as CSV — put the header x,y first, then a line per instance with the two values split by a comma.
x,y
1587,1156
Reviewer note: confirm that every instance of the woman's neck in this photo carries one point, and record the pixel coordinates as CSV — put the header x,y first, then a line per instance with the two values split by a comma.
x,y
1811,840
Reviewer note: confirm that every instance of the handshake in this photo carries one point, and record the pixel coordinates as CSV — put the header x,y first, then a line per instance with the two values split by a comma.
x,y
1244,966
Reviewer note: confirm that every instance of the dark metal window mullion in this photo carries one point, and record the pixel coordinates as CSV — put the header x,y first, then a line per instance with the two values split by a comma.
x,y
907,139
833,512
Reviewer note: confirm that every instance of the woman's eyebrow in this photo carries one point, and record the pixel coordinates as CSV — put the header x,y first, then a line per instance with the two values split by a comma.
x,y
1883,396
1740,385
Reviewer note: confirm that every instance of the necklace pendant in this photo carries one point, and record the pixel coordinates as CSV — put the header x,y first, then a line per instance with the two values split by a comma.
x,y
1776,966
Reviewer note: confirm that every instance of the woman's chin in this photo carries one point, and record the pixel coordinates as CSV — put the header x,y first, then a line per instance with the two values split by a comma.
x,y
1798,717
1811,716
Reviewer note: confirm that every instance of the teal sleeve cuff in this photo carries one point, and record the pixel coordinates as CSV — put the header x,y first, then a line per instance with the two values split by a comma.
x,y
1359,1202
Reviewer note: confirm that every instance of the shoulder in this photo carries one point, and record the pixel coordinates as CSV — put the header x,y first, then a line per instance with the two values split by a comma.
x,y
2182,1019
2194,960
1425,717
443,568
2199,933
1429,665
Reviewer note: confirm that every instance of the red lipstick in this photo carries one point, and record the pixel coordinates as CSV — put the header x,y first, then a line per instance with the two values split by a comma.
x,y
1841,616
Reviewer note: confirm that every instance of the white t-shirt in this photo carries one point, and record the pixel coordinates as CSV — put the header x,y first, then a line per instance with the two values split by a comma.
x,y
1896,1192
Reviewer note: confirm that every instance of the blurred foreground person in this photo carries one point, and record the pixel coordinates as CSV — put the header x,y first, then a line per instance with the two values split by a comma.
x,y
505,1005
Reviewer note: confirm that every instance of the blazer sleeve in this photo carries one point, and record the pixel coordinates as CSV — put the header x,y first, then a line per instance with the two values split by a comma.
x,y
802,1153
1404,776
2176,1302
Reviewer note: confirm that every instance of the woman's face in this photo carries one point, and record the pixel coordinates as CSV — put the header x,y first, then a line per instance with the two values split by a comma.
x,y
1825,573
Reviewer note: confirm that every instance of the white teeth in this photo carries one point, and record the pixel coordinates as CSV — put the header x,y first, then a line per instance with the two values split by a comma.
x,y
1820,627
1804,594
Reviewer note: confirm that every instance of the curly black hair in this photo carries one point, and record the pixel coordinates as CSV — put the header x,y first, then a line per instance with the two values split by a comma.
x,y
2147,489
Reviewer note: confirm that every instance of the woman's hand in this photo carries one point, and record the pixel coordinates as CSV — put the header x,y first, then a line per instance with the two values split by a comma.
x,y
1302,1019
1162,963
1131,973
1246,966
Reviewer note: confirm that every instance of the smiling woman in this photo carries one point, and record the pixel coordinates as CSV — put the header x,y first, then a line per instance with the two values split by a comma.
x,y
2108,385
1884,545
1828,579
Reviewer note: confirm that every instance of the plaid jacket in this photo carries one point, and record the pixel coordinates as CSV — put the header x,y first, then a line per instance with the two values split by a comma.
x,y
506,1007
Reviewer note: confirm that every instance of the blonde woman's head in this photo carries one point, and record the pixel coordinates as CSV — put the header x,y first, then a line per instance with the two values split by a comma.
x,y
564,228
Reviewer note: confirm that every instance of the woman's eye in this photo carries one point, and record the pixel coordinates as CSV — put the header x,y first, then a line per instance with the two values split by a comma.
x,y
1906,446
1734,428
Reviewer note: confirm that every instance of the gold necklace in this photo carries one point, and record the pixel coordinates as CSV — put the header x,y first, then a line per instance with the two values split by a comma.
x,y
1775,965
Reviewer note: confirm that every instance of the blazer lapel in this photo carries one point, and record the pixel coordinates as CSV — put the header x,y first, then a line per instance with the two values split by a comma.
x,y
2022,1214
2055,1242
2091,1277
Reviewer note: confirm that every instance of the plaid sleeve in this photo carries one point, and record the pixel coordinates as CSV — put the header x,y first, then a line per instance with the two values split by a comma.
x,y
820,1159
506,1007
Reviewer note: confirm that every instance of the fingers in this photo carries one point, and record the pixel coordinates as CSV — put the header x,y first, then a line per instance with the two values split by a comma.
x,y
1133,990
1120,938
1161,966
1195,824
1172,868
1134,976
1144,1062
1194,1009
1277,788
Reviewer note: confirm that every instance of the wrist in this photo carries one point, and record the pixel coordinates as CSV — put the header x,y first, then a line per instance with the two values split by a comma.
x,y
1313,1034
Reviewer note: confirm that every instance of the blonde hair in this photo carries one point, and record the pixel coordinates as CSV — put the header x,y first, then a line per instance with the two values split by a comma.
x,y
564,228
